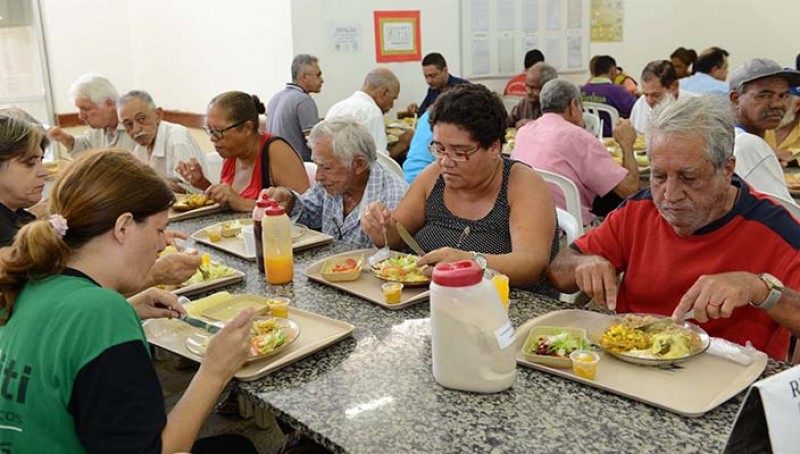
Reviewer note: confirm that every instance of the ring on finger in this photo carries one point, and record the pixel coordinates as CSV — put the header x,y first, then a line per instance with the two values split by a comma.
x,y
714,304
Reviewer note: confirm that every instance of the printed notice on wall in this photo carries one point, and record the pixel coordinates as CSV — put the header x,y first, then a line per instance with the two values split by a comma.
x,y
480,16
574,51
575,14
530,16
346,37
398,36
480,55
552,15
607,20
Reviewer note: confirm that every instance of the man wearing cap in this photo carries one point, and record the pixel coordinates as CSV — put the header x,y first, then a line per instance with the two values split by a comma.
x,y
760,96
699,238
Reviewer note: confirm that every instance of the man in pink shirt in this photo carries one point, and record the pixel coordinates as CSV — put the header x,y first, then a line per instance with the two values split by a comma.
x,y
557,143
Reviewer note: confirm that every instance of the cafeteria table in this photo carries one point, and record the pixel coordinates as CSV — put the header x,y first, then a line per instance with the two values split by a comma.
x,y
375,390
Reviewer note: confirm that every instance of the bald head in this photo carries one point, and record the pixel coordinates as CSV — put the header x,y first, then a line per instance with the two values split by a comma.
x,y
535,78
382,85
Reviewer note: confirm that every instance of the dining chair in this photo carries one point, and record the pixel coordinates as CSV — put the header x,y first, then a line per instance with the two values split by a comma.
x,y
390,164
593,124
571,195
311,171
602,111
510,101
572,229
214,164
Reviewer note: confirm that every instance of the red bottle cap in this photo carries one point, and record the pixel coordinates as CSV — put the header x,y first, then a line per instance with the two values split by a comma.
x,y
273,209
457,274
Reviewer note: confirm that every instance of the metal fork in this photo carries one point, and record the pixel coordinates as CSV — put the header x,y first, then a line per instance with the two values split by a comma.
x,y
382,253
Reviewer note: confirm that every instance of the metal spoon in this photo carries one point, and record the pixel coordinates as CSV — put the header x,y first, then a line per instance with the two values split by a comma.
x,y
659,325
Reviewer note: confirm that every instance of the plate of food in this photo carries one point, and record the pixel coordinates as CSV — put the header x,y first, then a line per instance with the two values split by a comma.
x,y
401,268
188,202
209,275
552,345
269,336
792,180
676,342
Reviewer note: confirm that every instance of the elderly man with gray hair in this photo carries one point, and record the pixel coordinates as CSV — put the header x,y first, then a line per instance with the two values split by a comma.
x,y
557,143
348,179
699,239
95,97
291,113
529,107
159,144
368,105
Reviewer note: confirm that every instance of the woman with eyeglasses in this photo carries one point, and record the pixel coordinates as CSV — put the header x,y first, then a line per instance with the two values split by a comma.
x,y
252,160
76,364
471,203
22,174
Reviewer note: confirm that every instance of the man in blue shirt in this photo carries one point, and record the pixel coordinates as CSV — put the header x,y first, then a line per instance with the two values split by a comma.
x,y
710,72
434,68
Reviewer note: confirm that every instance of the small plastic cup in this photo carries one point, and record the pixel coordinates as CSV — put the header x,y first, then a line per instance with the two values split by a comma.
x,y
279,306
249,236
392,291
584,363
214,233
500,282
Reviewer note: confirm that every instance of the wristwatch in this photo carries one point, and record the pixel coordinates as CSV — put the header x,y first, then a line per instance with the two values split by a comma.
x,y
480,259
775,287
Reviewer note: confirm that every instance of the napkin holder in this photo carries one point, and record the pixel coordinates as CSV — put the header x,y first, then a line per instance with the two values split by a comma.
x,y
769,416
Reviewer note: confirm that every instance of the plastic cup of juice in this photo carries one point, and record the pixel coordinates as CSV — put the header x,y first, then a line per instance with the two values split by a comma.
x,y
392,291
279,306
500,282
584,363
214,233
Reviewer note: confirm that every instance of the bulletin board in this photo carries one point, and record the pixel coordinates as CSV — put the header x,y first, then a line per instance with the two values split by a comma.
x,y
495,34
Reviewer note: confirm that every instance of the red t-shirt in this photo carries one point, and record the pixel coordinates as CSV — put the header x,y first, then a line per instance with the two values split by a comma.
x,y
757,236
229,169
516,86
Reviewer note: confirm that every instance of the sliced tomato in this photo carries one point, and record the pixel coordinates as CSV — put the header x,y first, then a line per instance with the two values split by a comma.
x,y
347,265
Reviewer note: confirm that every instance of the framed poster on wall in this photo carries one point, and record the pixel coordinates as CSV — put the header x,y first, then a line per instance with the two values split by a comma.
x,y
397,36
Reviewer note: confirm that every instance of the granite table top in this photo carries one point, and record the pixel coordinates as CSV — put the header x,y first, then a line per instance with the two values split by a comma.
x,y
376,391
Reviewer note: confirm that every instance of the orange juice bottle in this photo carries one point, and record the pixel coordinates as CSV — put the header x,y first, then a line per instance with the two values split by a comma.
x,y
277,243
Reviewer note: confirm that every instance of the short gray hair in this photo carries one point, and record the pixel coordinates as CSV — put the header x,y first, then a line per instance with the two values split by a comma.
x,y
347,137
381,78
546,72
299,63
93,87
136,94
557,94
708,116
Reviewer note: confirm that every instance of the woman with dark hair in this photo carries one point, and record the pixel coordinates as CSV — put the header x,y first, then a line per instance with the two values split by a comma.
x,y
252,161
683,59
22,174
477,205
71,344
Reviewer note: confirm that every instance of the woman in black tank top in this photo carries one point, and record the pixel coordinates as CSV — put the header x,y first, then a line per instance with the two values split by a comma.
x,y
471,200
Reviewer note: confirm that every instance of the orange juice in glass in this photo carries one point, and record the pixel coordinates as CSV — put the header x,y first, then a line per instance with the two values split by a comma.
x,y
500,282
280,270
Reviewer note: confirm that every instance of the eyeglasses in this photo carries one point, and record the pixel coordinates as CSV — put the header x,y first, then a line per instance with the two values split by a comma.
x,y
440,152
220,133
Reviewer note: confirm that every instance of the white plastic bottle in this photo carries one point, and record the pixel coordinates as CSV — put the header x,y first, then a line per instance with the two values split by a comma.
x,y
277,243
471,335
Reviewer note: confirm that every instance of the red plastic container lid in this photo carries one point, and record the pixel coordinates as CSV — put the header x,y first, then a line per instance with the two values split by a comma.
x,y
264,201
457,274
274,209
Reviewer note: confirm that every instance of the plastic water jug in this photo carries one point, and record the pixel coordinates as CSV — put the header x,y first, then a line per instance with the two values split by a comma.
x,y
471,335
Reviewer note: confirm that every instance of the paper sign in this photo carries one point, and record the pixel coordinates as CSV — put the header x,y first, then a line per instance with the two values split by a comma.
x,y
769,417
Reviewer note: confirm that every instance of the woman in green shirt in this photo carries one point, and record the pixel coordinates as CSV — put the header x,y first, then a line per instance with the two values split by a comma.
x,y
75,362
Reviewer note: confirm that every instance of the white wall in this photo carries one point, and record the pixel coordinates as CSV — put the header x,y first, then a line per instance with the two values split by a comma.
x,y
745,28
344,72
186,52
182,52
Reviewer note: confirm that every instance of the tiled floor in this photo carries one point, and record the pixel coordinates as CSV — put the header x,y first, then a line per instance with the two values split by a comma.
x,y
174,382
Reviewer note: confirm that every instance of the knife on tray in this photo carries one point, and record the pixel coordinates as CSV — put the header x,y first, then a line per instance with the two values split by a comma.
x,y
405,235
196,322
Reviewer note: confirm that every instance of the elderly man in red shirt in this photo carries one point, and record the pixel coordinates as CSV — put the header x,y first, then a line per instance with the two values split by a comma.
x,y
700,238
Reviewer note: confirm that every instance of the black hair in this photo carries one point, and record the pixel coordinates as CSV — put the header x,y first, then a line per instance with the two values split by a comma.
x,y
435,59
474,108
663,70
603,64
532,57
711,58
